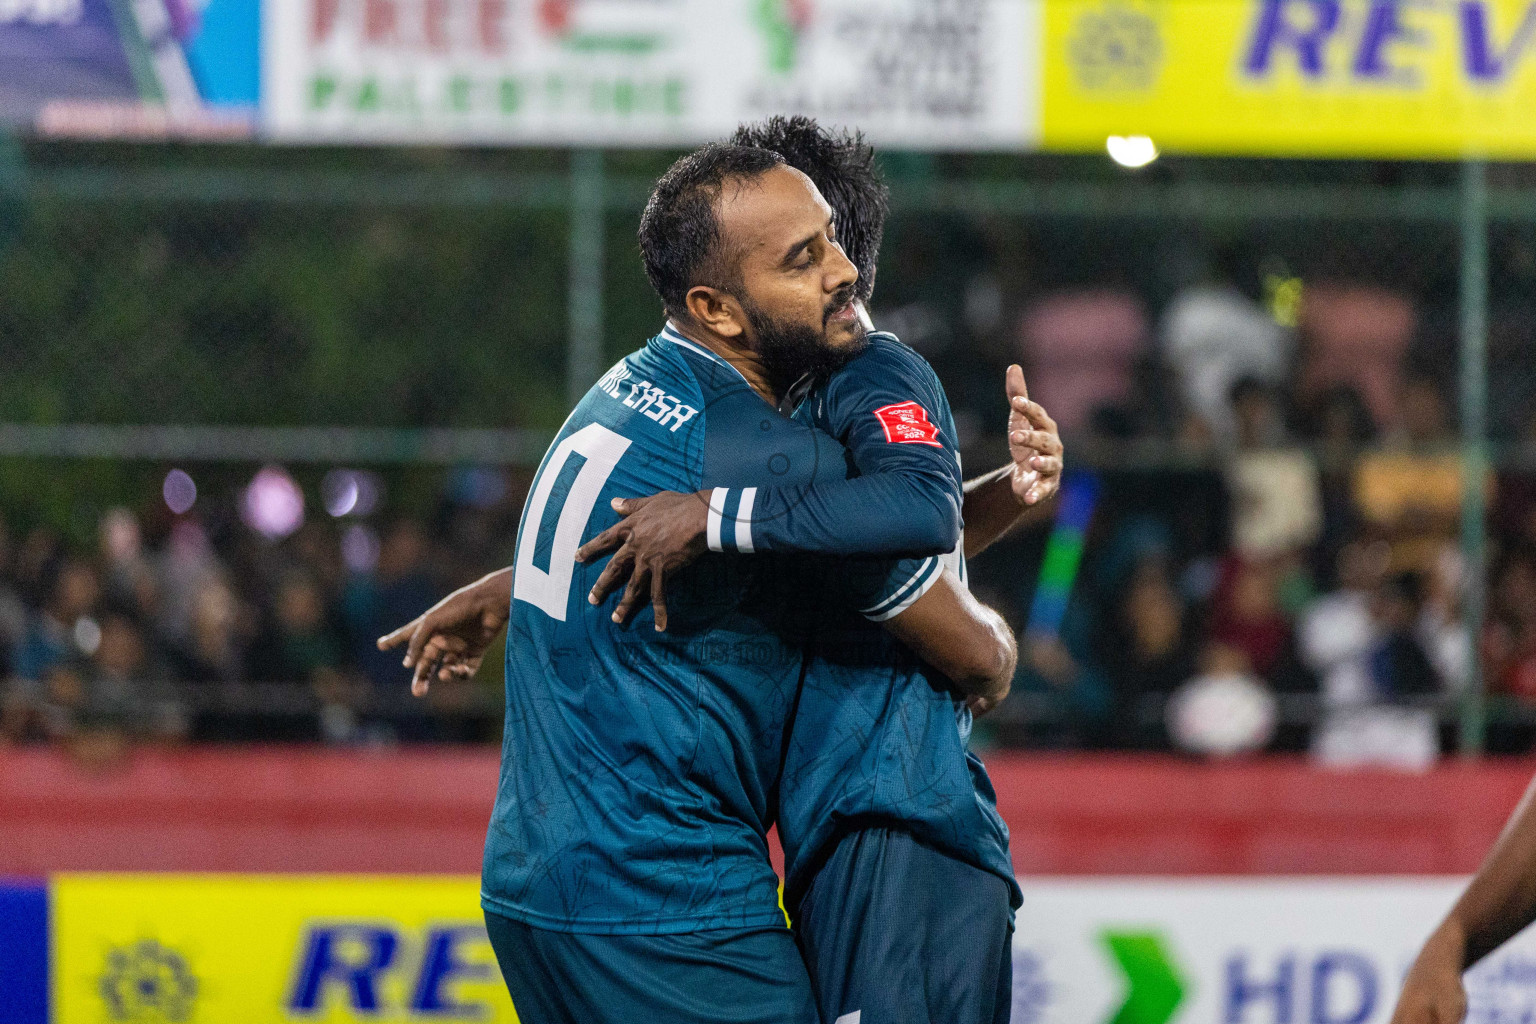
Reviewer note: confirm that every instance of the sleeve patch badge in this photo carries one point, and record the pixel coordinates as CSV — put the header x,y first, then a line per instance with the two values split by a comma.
x,y
907,423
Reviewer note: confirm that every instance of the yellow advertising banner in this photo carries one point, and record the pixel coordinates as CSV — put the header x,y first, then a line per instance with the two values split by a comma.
x,y
258,949
1400,78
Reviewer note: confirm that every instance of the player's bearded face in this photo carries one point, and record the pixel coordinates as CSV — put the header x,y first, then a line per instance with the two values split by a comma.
x,y
790,349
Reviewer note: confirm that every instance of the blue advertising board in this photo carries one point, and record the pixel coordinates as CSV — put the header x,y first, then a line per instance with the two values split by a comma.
x,y
147,68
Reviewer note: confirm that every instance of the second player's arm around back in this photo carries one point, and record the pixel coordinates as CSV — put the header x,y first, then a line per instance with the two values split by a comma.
x,y
959,636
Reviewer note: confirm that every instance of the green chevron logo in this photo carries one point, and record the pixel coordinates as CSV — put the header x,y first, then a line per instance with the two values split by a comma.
x,y
1154,988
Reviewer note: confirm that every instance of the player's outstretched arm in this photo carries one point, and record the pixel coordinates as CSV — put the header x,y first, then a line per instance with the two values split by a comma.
x,y
1016,493
1499,902
962,638
449,640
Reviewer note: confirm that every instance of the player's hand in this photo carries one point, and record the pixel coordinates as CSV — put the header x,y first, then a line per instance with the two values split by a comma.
x,y
657,537
1033,443
448,641
1433,992
981,705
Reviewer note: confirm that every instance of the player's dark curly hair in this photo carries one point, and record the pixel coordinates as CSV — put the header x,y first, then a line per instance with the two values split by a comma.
x,y
680,228
842,165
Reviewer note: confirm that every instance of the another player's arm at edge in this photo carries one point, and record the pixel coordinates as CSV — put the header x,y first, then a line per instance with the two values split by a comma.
x,y
1497,904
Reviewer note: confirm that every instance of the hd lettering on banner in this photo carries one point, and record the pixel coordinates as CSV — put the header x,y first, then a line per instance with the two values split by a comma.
x,y
1331,987
1242,951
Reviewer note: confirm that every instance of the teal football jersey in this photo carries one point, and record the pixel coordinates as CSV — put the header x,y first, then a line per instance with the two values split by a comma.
x,y
877,738
639,769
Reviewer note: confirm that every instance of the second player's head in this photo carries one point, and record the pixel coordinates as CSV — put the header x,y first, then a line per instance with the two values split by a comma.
x,y
742,246
842,166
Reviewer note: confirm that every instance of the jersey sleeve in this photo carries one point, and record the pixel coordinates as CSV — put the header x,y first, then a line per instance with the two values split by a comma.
x,y
889,410
883,588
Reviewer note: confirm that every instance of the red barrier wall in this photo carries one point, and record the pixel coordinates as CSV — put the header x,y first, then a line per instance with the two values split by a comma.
x,y
425,810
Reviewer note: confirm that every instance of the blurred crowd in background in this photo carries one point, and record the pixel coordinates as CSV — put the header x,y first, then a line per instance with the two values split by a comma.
x,y
1267,412
1285,573
241,620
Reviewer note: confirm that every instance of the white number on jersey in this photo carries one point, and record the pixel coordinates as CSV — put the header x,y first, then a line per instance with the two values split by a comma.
x,y
551,591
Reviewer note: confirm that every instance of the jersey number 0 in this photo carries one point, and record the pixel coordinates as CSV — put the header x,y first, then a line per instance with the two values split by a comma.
x,y
599,450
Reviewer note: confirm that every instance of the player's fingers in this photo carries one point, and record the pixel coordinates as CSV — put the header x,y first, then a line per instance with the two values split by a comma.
x,y
1024,485
659,600
1038,440
612,575
1046,442
442,648
450,669
634,594
1037,416
395,639
419,638
1046,465
421,679
629,506
603,542
1014,382
1043,489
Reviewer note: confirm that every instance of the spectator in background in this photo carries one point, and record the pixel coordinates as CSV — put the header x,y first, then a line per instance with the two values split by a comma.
x,y
1411,490
1249,626
1441,630
1149,652
1400,668
1509,639
1119,623
303,642
113,697
128,580
1276,517
1381,678
1340,429
212,650
394,592
302,647
65,628
1276,507
1337,630
187,564
1214,336
13,612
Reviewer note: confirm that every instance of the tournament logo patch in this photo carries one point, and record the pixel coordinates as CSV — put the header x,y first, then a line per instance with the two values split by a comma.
x,y
907,423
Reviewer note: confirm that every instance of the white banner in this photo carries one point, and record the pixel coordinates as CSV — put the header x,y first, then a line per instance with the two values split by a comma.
x,y
931,74
1293,951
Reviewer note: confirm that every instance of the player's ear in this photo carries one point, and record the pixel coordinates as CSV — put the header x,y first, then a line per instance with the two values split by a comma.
x,y
715,310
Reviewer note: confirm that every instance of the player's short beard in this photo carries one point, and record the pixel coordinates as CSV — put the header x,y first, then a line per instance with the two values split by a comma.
x,y
789,351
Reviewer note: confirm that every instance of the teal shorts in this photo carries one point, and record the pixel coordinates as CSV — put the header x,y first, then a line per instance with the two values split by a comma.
x,y
724,976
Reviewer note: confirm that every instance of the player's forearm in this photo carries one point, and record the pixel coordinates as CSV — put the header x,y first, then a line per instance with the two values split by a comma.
x,y
962,638
493,591
1501,899
881,514
992,510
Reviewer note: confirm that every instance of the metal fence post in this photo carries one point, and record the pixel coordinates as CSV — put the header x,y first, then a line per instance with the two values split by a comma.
x,y
1474,436
584,301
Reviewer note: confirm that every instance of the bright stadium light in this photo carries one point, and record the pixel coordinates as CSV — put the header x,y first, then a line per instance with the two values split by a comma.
x,y
179,491
273,505
1131,150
